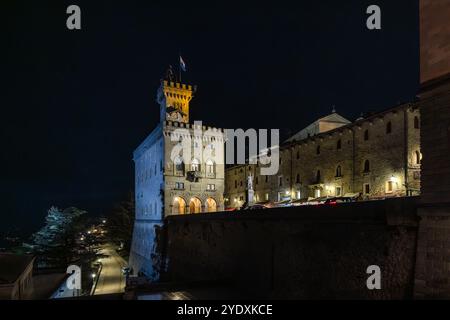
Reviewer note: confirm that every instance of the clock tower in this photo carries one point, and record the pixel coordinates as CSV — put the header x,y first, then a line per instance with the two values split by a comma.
x,y
173,98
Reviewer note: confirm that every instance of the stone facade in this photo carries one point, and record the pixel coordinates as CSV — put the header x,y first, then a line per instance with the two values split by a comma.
x,y
168,179
377,156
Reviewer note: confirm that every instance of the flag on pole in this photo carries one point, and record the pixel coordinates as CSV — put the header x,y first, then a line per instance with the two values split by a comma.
x,y
182,64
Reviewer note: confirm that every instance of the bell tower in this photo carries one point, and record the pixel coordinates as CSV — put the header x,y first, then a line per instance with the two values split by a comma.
x,y
173,98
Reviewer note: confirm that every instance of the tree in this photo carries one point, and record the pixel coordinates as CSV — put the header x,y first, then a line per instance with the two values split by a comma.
x,y
55,243
120,222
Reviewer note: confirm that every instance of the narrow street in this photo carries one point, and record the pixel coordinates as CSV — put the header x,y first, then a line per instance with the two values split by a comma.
x,y
111,279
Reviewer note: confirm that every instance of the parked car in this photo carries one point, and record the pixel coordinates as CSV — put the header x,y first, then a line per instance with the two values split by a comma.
x,y
255,207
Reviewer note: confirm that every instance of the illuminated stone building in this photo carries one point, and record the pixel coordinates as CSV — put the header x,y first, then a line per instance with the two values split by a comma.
x,y
170,180
377,156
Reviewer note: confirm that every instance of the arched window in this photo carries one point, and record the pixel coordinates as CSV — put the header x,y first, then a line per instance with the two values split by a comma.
x,y
297,178
195,165
388,127
416,122
318,150
339,145
366,135
366,166
417,157
318,177
179,166
338,171
210,167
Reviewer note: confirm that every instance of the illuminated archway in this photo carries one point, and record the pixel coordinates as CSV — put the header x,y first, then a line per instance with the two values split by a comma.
x,y
178,206
211,205
195,205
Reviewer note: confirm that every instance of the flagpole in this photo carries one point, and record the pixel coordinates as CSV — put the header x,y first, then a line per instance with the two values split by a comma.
x,y
179,64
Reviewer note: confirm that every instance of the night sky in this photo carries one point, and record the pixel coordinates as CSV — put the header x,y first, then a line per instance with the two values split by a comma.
x,y
75,104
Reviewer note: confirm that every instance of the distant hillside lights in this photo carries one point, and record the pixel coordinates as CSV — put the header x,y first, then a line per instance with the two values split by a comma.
x,y
186,150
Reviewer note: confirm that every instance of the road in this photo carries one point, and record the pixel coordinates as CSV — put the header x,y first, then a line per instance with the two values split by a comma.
x,y
111,279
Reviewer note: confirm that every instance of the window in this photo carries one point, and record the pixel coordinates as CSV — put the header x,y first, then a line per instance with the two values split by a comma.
x,y
195,165
267,179
318,150
417,157
241,198
338,171
366,166
366,188
211,187
338,191
179,185
240,183
298,195
280,181
339,145
298,155
235,183
297,178
389,127
266,196
318,176
179,166
366,135
256,180
210,167
317,193
389,186
416,123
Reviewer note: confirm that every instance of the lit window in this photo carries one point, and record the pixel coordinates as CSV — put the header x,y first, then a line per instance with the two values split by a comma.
x,y
389,186
210,167
195,165
266,196
417,157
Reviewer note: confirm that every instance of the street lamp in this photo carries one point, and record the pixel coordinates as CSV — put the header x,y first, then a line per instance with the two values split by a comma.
x,y
93,275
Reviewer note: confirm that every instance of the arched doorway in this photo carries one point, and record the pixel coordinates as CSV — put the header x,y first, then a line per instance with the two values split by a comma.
x,y
195,205
211,205
178,206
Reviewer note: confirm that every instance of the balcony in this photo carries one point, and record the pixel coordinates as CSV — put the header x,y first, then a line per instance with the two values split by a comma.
x,y
193,176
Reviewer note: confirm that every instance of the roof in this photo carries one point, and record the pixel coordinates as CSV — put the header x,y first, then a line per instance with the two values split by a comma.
x,y
321,125
12,266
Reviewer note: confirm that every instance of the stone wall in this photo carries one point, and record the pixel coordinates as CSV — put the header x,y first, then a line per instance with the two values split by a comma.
x,y
299,252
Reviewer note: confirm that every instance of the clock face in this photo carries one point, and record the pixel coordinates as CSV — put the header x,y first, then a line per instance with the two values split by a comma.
x,y
174,115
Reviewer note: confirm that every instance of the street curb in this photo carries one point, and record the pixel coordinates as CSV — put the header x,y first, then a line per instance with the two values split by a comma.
x,y
94,286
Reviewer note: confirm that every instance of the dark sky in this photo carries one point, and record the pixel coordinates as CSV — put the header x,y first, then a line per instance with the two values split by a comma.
x,y
75,104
